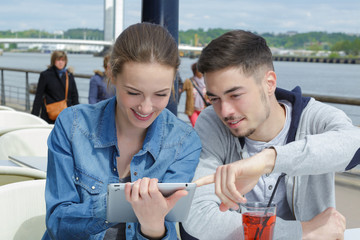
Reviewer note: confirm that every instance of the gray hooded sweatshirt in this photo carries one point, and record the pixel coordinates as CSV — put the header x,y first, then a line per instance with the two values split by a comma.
x,y
322,140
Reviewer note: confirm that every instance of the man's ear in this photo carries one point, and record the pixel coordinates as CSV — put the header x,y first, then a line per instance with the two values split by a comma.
x,y
271,82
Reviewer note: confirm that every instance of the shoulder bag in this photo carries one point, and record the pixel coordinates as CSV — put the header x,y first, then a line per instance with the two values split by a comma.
x,y
201,95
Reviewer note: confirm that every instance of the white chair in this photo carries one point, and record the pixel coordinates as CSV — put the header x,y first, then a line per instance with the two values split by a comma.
x,y
4,130
16,118
23,209
2,107
24,142
9,174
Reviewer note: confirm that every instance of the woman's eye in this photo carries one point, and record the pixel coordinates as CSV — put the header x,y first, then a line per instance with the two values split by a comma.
x,y
132,93
161,95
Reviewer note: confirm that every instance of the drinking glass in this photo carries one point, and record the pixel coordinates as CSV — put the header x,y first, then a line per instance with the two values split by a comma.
x,y
258,220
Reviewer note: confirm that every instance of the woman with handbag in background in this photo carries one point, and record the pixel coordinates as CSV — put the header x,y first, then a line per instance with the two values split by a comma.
x,y
50,98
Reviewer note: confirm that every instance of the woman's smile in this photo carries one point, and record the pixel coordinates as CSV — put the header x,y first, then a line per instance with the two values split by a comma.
x,y
142,117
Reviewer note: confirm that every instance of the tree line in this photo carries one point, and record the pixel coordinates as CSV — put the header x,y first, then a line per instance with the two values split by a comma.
x,y
77,33
316,41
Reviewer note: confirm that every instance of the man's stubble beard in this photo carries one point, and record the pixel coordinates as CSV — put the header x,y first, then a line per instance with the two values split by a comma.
x,y
249,132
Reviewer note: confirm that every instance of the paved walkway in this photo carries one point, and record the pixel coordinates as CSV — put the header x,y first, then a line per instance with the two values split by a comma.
x,y
347,202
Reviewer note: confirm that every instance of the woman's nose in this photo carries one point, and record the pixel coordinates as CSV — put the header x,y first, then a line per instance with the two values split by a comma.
x,y
146,106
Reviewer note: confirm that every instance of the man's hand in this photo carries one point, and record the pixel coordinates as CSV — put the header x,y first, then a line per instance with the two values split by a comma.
x,y
329,224
238,178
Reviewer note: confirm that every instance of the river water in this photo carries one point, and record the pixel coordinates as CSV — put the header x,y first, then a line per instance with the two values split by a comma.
x,y
317,78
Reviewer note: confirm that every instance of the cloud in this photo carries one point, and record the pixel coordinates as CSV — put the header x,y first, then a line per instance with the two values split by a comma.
x,y
272,16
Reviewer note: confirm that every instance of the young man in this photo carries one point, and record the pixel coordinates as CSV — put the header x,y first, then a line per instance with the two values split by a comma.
x,y
254,132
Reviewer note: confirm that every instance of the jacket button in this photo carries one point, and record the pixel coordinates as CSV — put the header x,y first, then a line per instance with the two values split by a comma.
x,y
93,187
135,173
77,179
270,187
129,226
114,169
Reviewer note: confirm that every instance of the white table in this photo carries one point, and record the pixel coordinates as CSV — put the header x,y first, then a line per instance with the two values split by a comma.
x,y
352,234
39,163
8,163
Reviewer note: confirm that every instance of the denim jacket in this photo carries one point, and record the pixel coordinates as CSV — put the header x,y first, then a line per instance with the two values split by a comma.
x,y
82,162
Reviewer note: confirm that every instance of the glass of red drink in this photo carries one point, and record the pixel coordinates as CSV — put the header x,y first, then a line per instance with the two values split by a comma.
x,y
258,220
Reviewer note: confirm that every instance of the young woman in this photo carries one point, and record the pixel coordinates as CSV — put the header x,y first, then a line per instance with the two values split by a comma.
x,y
130,137
51,86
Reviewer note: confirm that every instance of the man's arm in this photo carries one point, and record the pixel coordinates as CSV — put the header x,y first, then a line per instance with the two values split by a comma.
x,y
234,180
205,220
326,142
329,224
328,145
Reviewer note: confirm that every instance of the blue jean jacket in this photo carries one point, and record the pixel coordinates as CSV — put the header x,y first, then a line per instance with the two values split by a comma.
x,y
82,162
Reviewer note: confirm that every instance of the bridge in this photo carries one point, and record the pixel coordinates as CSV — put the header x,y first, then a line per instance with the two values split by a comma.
x,y
113,26
56,41
79,42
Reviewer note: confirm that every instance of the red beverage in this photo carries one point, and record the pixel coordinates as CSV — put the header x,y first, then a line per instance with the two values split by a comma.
x,y
258,226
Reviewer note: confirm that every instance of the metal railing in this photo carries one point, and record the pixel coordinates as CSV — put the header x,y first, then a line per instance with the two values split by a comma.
x,y
20,96
23,100
86,77
23,103
334,99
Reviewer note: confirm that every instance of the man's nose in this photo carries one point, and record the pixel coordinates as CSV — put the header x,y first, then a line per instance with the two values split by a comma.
x,y
226,109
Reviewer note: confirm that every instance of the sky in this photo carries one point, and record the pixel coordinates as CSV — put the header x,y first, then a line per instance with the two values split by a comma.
x,y
276,16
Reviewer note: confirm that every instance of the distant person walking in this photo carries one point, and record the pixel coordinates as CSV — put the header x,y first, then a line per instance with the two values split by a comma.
x,y
51,86
196,99
100,87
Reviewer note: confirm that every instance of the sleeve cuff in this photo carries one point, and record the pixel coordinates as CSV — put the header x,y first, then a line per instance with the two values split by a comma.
x,y
280,165
170,231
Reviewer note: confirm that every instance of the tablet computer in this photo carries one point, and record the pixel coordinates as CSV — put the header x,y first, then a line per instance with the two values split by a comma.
x,y
120,210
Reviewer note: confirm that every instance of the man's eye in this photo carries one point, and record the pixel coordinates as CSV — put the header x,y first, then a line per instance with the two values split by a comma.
x,y
236,95
213,100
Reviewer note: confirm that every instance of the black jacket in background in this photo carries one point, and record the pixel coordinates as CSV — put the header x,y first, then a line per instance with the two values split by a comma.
x,y
52,88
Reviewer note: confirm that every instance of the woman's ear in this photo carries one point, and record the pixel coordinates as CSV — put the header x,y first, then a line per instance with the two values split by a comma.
x,y
109,74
